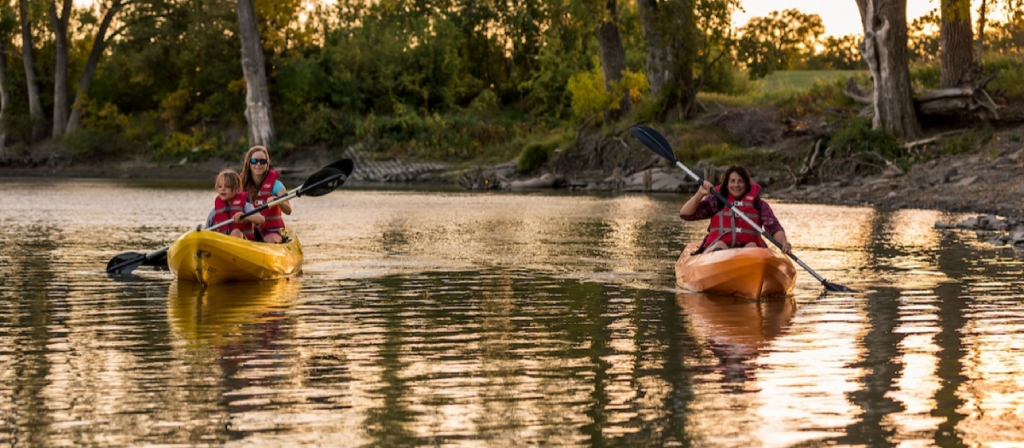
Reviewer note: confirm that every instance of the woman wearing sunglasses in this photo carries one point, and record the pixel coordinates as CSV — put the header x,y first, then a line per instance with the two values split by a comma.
x,y
263,186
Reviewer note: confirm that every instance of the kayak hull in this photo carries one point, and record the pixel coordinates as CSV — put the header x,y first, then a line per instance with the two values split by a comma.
x,y
754,273
213,257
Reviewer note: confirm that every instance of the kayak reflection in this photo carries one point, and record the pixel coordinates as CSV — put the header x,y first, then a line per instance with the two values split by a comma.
x,y
736,329
221,314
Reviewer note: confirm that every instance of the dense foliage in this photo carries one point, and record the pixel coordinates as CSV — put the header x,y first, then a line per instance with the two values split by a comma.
x,y
445,79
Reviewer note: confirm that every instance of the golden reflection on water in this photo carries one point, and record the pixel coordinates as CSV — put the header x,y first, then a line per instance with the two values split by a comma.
x,y
499,319
215,315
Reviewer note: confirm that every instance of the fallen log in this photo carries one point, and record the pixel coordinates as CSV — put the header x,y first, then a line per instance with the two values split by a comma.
x,y
969,99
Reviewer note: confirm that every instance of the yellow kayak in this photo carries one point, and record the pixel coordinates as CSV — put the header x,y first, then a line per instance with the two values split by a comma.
x,y
213,257
754,273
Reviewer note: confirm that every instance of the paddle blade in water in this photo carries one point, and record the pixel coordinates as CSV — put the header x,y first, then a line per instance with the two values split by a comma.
x,y
125,263
836,288
158,261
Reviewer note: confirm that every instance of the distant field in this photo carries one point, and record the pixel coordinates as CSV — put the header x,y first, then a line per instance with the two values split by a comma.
x,y
798,80
776,86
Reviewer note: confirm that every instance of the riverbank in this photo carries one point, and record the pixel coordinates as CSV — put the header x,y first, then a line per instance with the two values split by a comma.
x,y
986,179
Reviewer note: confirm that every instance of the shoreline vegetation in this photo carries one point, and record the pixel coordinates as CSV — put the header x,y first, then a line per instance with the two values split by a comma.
x,y
780,130
493,95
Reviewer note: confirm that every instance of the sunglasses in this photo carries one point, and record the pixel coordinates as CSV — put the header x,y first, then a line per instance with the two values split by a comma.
x,y
256,161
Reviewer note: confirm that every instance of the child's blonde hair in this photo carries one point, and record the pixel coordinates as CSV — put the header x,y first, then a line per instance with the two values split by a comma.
x,y
231,180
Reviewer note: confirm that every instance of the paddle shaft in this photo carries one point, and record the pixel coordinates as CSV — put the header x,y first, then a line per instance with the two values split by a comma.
x,y
275,202
746,218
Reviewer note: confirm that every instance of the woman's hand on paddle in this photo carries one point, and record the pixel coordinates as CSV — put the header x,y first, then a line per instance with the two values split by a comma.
x,y
780,236
705,189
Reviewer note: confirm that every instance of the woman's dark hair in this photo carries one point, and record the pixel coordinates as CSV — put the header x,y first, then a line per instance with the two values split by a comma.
x,y
738,170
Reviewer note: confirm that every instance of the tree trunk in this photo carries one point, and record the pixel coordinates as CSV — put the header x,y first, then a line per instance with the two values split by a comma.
x,y
981,36
5,99
684,92
60,67
257,95
659,60
669,29
35,105
956,52
613,60
90,67
885,51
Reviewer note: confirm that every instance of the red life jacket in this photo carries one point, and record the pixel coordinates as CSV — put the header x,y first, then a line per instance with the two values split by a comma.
x,y
223,211
732,229
273,222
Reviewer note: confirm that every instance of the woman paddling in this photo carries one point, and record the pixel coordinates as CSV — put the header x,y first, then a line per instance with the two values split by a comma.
x,y
262,184
726,229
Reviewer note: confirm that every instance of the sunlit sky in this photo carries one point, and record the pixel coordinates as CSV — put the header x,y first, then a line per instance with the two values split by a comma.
x,y
841,17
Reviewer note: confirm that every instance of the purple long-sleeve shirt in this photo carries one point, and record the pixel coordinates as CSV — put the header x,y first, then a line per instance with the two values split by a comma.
x,y
710,205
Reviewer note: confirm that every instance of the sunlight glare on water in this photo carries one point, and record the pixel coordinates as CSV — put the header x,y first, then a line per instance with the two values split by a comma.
x,y
498,319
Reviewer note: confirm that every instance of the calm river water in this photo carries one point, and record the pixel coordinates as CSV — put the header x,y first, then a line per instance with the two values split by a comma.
x,y
497,319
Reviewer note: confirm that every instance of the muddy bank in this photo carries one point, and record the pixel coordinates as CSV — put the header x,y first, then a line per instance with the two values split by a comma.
x,y
986,180
293,170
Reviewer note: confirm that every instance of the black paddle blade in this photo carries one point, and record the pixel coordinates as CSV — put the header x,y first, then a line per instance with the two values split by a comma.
x,y
345,165
654,140
328,179
125,263
836,288
158,261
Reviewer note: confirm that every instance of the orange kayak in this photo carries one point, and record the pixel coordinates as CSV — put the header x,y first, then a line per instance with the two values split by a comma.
x,y
754,273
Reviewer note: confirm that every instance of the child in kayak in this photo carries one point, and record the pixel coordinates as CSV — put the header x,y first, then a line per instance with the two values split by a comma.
x,y
231,203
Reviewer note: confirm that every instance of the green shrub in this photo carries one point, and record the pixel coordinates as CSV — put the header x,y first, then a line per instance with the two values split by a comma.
x,y
1011,74
589,96
533,156
821,95
93,144
926,76
326,125
728,80
858,137
692,139
197,146
959,144
487,103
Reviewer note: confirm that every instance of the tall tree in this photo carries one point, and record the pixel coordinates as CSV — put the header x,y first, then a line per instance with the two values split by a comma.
x,y
98,44
885,52
669,29
60,68
257,95
5,99
28,55
613,58
957,38
778,41
981,34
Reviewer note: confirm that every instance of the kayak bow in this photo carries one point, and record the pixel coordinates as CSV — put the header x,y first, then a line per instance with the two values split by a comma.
x,y
213,257
754,273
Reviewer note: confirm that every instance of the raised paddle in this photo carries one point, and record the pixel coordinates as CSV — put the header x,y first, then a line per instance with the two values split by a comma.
x,y
322,182
654,140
